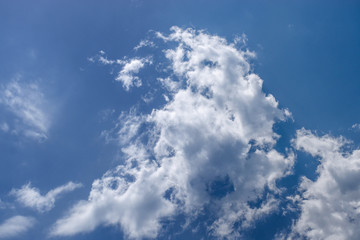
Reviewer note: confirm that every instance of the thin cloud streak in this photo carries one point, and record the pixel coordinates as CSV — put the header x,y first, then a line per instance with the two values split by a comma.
x,y
27,103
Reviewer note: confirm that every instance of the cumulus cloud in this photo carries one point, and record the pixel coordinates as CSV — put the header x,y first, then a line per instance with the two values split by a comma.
x,y
129,68
330,205
15,226
212,143
31,197
26,102
127,75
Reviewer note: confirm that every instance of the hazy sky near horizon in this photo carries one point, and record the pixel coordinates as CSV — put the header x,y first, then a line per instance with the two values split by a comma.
x,y
179,119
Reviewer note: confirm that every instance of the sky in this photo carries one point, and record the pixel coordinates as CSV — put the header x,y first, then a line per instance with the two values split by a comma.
x,y
185,119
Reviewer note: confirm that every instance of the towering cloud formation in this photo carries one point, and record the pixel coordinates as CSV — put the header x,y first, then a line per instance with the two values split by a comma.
x,y
211,144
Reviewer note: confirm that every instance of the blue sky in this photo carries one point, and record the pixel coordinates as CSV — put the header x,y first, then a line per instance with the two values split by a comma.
x,y
179,120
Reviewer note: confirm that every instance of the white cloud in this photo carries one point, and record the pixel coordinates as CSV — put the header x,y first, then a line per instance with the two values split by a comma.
x,y
31,197
102,58
144,43
6,205
128,73
26,101
330,205
216,128
110,203
169,84
356,126
15,226
130,68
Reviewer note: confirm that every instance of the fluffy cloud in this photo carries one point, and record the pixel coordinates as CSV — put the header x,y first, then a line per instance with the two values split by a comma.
x,y
31,197
26,102
127,75
130,67
15,226
330,205
212,143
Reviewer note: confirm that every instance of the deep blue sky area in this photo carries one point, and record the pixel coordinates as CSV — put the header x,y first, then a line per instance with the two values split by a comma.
x,y
307,53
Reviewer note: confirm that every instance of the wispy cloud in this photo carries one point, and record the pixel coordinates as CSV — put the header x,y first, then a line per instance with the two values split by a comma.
x,y
15,226
216,129
4,127
2,204
144,43
31,197
356,126
26,102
